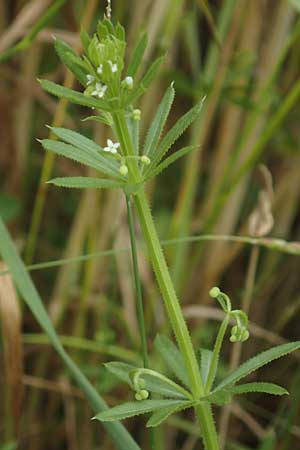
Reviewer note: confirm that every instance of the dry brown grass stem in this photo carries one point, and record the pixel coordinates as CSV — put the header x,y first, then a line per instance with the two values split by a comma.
x,y
11,324
26,17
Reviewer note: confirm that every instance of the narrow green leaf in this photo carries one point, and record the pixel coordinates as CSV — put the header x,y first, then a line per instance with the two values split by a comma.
x,y
158,122
137,56
220,397
258,361
121,370
161,415
176,131
74,96
103,119
168,161
131,409
145,82
23,282
78,155
134,131
205,360
70,59
86,183
172,357
267,388
158,383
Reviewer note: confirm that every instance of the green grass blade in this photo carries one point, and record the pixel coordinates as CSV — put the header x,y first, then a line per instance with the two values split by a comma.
x,y
86,183
158,122
258,361
131,409
38,26
26,288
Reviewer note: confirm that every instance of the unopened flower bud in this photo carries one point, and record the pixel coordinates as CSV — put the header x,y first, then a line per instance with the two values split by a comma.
x,y
145,160
123,170
214,292
136,114
128,83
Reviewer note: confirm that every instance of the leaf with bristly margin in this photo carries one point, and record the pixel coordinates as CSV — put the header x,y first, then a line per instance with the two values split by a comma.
x,y
205,361
160,416
121,371
90,147
158,122
26,288
220,397
258,361
69,58
74,96
134,131
172,357
131,409
102,119
79,155
145,81
86,183
137,56
176,131
266,388
168,161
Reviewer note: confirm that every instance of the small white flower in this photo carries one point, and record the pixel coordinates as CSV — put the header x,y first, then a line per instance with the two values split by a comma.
x,y
112,147
100,69
128,82
90,79
99,90
114,67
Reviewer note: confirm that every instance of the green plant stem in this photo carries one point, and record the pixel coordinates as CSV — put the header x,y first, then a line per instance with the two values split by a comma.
x,y
172,305
137,283
216,353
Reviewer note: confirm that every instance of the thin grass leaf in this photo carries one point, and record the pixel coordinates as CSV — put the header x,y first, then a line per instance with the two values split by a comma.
x,y
172,357
137,56
160,416
258,361
176,131
73,96
81,156
38,26
131,409
266,388
86,183
158,122
69,58
168,161
145,82
23,282
205,360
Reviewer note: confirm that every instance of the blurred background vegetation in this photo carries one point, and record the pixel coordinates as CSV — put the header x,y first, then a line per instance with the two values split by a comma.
x,y
243,180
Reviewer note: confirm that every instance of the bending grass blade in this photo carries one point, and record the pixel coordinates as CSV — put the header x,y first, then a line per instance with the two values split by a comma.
x,y
117,432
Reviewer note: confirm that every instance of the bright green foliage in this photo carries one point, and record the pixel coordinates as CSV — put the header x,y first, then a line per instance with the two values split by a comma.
x,y
113,95
131,409
172,357
258,361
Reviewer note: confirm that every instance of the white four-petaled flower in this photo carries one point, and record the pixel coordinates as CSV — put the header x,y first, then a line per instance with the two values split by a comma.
x,y
99,90
112,147
114,67
90,79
